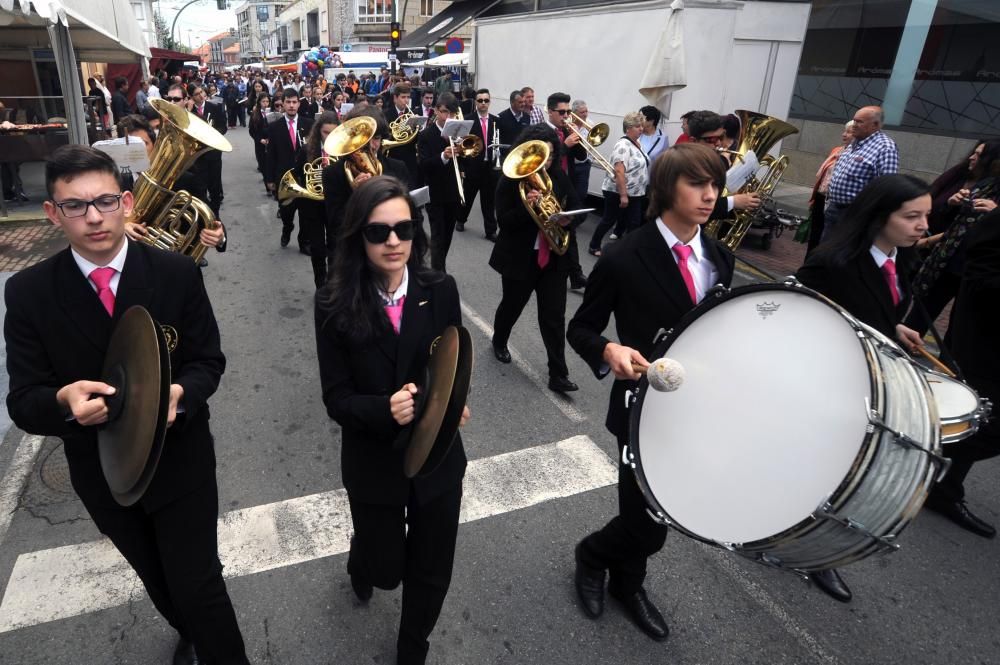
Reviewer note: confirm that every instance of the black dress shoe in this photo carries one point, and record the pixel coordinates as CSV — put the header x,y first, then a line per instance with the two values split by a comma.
x,y
285,237
362,587
832,584
304,249
492,237
185,654
644,614
578,282
502,353
202,262
589,587
460,226
958,512
562,384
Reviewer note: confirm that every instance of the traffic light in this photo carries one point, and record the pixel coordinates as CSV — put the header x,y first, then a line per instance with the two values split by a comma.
x,y
222,4
394,35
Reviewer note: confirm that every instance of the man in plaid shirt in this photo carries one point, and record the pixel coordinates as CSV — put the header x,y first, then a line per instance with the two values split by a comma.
x,y
870,155
535,113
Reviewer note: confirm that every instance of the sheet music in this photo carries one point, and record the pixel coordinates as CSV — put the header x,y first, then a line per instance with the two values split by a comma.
x,y
456,129
417,121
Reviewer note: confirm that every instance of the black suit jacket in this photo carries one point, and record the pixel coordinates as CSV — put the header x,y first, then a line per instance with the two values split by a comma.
x,y
309,109
405,153
514,252
509,129
488,157
975,319
281,156
860,287
359,377
57,332
215,115
638,281
438,176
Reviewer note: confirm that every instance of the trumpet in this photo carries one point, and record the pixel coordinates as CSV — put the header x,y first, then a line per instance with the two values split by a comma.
x,y
351,142
526,163
596,135
495,147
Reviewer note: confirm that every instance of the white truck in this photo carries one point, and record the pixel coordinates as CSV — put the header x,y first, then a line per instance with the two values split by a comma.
x,y
737,55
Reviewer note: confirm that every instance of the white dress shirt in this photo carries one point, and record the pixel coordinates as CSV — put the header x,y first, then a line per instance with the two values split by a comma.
x,y
118,263
880,259
703,271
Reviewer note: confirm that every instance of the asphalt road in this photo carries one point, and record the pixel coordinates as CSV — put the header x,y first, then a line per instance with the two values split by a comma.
x,y
512,598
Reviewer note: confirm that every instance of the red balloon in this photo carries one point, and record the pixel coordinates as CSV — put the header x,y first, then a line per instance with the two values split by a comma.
x,y
311,65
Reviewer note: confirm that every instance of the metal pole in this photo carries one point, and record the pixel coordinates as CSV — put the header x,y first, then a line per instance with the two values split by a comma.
x,y
69,81
177,15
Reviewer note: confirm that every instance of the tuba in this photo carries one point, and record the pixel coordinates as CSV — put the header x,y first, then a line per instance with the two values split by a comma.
x,y
758,134
351,143
526,163
289,188
174,220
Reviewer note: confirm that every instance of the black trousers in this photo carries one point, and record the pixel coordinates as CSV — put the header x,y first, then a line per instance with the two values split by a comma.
x,y
212,172
941,292
442,218
175,552
963,454
316,227
622,219
481,179
260,152
414,545
817,221
549,286
287,214
631,537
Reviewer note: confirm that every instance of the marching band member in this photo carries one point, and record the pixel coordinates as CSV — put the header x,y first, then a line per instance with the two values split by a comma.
x,y
435,154
312,214
375,321
526,264
648,280
480,176
60,316
405,153
285,139
337,190
864,266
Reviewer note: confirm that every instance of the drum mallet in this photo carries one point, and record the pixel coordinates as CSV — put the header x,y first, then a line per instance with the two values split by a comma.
x,y
664,374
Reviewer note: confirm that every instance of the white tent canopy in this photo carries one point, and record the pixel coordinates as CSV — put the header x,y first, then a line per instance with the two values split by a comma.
x,y
446,60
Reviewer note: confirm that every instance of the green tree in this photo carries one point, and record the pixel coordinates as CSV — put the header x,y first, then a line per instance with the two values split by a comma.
x,y
165,39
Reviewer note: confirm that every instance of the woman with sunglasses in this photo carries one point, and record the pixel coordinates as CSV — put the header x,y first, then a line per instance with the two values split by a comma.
x,y
375,322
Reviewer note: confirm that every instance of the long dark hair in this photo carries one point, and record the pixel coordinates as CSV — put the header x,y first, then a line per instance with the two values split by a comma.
x,y
350,299
314,144
988,164
867,214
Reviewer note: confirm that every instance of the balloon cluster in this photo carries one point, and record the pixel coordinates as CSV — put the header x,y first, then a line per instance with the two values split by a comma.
x,y
319,57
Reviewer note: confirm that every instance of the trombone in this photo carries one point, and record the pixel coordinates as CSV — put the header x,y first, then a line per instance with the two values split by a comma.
x,y
596,135
469,146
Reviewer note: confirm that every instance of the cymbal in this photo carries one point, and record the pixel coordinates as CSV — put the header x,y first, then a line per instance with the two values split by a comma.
x,y
137,364
441,368
456,404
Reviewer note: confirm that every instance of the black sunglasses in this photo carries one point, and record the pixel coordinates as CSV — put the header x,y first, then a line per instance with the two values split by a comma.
x,y
377,233
485,100
174,99
562,111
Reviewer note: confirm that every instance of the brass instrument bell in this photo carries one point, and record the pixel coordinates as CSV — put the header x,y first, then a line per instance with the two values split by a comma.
x,y
351,142
527,163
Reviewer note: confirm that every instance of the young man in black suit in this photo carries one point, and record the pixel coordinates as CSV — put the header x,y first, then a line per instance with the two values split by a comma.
x,y
60,317
407,154
480,176
286,138
436,154
648,281
210,164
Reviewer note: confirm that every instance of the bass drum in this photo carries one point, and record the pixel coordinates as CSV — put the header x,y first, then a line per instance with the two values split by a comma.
x,y
808,444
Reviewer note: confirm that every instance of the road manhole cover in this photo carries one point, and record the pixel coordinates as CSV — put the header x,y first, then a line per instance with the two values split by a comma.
x,y
55,471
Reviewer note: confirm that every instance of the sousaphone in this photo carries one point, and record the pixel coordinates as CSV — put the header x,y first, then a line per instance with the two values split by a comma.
x,y
137,365
440,402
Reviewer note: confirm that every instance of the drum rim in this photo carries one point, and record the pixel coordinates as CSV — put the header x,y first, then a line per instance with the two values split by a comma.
x,y
862,461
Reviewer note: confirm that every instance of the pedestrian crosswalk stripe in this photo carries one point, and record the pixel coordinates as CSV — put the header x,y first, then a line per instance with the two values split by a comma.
x,y
63,582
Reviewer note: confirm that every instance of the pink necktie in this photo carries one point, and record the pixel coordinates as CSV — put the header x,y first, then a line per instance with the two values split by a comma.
x,y
683,252
395,314
291,134
563,161
543,250
485,138
101,277
889,270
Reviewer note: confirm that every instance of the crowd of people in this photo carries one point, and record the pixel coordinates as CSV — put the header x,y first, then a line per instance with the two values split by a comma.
x,y
380,302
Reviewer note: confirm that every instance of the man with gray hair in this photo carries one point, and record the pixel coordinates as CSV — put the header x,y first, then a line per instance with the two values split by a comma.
x,y
871,154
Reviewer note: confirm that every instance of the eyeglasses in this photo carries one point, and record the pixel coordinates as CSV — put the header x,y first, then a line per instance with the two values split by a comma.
x,y
377,233
710,139
561,111
174,99
76,208
483,101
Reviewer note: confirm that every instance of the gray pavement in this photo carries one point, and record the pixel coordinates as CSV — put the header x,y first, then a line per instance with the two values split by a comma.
x,y
512,598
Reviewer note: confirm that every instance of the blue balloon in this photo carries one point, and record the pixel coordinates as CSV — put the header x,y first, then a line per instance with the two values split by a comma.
x,y
323,50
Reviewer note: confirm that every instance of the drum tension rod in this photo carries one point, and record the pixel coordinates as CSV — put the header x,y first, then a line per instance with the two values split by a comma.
x,y
875,421
826,512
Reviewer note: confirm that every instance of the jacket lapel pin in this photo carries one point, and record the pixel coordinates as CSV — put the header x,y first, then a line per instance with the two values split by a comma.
x,y
422,303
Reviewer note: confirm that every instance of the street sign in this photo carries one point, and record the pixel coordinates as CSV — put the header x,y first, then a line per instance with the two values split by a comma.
x,y
346,48
413,54
392,57
454,45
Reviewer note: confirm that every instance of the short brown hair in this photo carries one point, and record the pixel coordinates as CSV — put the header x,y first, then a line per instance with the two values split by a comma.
x,y
401,89
694,160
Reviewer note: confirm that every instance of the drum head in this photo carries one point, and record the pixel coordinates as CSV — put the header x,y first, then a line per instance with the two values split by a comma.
x,y
768,422
954,399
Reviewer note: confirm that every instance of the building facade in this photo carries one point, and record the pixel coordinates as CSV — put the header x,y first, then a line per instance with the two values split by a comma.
x,y
143,10
257,29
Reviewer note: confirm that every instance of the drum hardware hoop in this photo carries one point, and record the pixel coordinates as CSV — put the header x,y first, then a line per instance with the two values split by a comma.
x,y
825,512
659,518
660,335
628,459
942,462
718,291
